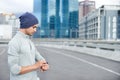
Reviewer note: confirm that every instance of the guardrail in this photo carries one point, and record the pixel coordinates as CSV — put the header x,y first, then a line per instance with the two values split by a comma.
x,y
105,45
106,49
4,41
101,45
101,48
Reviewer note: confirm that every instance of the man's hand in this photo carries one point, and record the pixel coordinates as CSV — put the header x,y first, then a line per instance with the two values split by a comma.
x,y
44,66
39,64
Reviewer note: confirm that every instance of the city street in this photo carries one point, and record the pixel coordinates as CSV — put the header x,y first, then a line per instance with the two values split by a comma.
x,y
80,39
68,65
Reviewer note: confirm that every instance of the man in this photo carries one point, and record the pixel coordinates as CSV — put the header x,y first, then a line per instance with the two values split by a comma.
x,y
23,58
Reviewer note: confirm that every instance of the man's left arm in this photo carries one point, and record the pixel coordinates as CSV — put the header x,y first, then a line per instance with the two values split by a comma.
x,y
38,57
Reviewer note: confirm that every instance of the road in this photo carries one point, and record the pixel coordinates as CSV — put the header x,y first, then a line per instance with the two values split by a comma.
x,y
69,65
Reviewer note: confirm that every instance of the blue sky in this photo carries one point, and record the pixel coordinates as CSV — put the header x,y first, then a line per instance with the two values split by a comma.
x,y
21,6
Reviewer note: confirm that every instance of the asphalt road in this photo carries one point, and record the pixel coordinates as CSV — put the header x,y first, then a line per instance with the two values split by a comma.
x,y
69,65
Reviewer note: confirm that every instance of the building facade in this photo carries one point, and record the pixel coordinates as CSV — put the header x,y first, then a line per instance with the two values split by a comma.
x,y
56,16
52,26
37,9
41,12
8,25
101,24
85,7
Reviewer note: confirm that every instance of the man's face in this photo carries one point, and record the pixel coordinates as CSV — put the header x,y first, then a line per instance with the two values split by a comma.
x,y
31,30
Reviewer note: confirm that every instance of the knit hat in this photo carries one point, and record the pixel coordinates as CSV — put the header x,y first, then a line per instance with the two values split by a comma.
x,y
27,20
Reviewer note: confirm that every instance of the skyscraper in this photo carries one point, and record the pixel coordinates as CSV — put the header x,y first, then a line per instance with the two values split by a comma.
x,y
57,18
85,7
56,14
44,18
73,18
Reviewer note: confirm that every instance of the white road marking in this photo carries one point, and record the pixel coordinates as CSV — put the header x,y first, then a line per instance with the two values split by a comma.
x,y
85,61
3,51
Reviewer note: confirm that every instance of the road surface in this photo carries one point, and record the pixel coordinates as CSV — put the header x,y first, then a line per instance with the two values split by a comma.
x,y
68,65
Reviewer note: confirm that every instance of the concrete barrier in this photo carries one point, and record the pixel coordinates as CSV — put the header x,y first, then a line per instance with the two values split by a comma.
x,y
106,50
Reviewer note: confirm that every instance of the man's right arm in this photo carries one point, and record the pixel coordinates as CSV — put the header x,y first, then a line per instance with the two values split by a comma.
x,y
26,69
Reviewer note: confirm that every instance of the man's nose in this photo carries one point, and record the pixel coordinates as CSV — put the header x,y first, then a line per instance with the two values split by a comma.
x,y
35,29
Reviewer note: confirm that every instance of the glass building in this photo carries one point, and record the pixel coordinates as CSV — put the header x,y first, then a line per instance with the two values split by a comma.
x,y
59,18
37,13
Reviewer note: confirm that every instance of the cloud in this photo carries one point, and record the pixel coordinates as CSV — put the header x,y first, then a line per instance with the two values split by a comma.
x,y
16,5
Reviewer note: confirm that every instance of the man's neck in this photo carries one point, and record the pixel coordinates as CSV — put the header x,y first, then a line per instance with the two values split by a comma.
x,y
23,31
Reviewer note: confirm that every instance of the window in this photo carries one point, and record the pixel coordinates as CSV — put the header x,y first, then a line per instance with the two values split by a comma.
x,y
118,12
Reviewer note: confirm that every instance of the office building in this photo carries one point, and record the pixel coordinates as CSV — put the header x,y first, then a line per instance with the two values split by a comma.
x,y
85,7
52,26
8,25
56,16
101,24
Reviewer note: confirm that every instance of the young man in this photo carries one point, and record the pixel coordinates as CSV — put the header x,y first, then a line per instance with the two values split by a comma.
x,y
23,58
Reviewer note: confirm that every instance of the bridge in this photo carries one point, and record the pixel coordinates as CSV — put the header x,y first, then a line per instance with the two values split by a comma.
x,y
73,59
